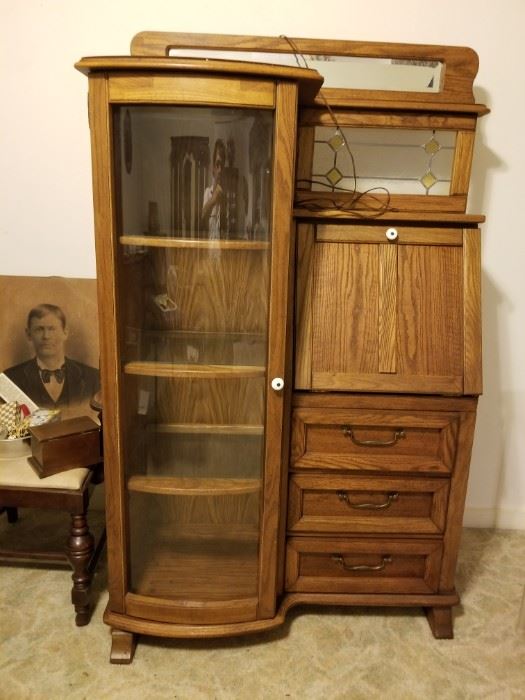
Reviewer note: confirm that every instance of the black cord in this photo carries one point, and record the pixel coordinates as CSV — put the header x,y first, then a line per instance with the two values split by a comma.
x,y
356,196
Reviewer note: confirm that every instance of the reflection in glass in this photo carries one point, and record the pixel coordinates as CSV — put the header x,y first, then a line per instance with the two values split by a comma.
x,y
197,172
350,72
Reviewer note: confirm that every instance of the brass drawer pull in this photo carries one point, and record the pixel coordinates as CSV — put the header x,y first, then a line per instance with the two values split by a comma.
x,y
398,435
340,561
391,497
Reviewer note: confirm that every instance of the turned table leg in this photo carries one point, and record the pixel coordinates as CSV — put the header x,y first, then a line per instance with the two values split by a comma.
x,y
79,550
122,647
440,621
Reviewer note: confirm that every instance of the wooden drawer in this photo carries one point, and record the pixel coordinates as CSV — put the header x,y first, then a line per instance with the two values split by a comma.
x,y
374,440
330,565
346,504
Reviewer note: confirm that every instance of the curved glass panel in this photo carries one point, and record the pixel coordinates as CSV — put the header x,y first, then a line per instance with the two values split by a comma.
x,y
194,242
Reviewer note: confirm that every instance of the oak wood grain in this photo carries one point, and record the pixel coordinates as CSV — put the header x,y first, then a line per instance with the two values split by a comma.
x,y
105,245
461,62
189,611
383,315
387,311
320,440
329,212
408,566
387,118
190,90
377,205
185,486
324,503
462,165
303,307
388,402
406,235
279,358
193,371
220,245
308,81
473,379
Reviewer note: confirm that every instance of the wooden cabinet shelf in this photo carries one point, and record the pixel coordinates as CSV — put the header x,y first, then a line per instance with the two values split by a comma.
x,y
201,566
185,486
208,429
195,243
198,348
166,369
318,212
196,572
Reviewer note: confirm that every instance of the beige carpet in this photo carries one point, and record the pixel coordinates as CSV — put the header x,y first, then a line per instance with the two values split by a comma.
x,y
319,653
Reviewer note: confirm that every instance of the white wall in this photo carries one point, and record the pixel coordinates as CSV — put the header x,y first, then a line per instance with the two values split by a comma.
x,y
46,221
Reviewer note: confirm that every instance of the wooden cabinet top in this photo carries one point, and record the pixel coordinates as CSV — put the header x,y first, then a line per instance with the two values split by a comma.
x,y
309,81
450,89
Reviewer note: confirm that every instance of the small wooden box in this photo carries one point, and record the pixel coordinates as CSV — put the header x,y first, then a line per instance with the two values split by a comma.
x,y
68,444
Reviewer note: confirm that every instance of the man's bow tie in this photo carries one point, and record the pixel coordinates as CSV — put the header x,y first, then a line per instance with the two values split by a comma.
x,y
59,374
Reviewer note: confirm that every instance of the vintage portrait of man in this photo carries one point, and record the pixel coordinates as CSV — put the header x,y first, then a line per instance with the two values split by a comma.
x,y
53,367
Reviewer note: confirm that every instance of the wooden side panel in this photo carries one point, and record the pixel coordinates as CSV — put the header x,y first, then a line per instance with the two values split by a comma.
x,y
458,492
305,155
464,151
101,149
387,330
303,306
280,315
473,383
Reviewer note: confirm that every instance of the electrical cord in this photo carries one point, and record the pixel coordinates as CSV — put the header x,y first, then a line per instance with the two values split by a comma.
x,y
348,204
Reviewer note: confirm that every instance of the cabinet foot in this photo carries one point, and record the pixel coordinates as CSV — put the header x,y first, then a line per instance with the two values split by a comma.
x,y
440,621
122,647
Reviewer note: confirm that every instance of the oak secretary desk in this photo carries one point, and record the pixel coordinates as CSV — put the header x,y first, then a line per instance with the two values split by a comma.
x,y
289,295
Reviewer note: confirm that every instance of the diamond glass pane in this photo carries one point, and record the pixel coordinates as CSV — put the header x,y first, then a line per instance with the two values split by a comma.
x,y
401,161
323,159
432,146
336,142
428,180
334,176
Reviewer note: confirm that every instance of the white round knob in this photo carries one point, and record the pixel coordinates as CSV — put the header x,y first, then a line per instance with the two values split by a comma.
x,y
277,384
391,234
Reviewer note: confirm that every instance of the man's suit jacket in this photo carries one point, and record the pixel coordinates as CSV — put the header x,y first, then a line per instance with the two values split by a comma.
x,y
81,383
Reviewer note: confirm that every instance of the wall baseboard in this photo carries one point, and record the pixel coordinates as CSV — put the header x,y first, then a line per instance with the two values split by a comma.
x,y
499,518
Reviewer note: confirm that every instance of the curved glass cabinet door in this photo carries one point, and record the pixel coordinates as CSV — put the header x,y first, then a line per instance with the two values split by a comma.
x,y
194,241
